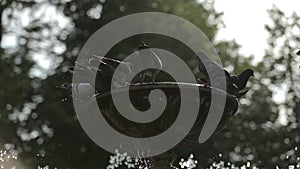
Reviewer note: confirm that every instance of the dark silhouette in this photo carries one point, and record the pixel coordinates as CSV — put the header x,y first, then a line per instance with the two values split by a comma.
x,y
148,56
235,83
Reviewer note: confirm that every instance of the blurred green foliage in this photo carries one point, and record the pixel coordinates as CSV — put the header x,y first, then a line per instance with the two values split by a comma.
x,y
30,104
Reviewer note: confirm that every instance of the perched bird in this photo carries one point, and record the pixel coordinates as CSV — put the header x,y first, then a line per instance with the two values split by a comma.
x,y
238,83
207,65
146,55
241,79
235,83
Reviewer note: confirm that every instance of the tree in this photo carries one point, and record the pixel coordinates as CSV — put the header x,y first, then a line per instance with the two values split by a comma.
x,y
264,132
50,127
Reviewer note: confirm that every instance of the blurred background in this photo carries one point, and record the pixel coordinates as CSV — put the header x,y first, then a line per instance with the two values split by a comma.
x,y
41,39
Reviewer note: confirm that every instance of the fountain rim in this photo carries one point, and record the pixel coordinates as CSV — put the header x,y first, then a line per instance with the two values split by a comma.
x,y
164,85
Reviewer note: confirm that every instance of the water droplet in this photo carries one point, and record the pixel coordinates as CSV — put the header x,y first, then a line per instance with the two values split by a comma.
x,y
248,164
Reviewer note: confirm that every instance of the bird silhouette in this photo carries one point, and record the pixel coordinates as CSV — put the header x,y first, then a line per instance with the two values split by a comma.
x,y
235,84
146,55
298,53
215,70
241,79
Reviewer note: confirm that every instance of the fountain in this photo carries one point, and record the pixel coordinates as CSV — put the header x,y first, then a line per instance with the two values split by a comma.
x,y
139,95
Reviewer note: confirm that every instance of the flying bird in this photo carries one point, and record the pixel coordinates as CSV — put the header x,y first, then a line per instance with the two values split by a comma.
x,y
108,68
84,70
81,91
104,68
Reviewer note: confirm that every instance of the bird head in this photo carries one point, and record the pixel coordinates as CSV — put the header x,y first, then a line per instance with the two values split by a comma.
x,y
143,45
249,72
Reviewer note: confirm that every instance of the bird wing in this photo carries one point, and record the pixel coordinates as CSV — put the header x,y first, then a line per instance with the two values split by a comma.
x,y
207,65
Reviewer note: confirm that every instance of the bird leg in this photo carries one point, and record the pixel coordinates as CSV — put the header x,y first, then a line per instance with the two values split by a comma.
x,y
206,85
153,77
142,77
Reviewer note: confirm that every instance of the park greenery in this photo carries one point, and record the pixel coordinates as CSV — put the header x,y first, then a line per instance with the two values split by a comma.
x,y
37,118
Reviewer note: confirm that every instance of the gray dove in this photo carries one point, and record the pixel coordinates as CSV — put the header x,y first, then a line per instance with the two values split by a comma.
x,y
148,56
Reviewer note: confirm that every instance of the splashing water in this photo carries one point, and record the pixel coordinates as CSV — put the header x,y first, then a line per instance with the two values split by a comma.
x,y
124,159
189,163
7,158
228,165
46,167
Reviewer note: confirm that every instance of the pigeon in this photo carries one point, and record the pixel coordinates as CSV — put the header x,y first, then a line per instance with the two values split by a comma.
x,y
148,56
235,84
207,65
241,79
